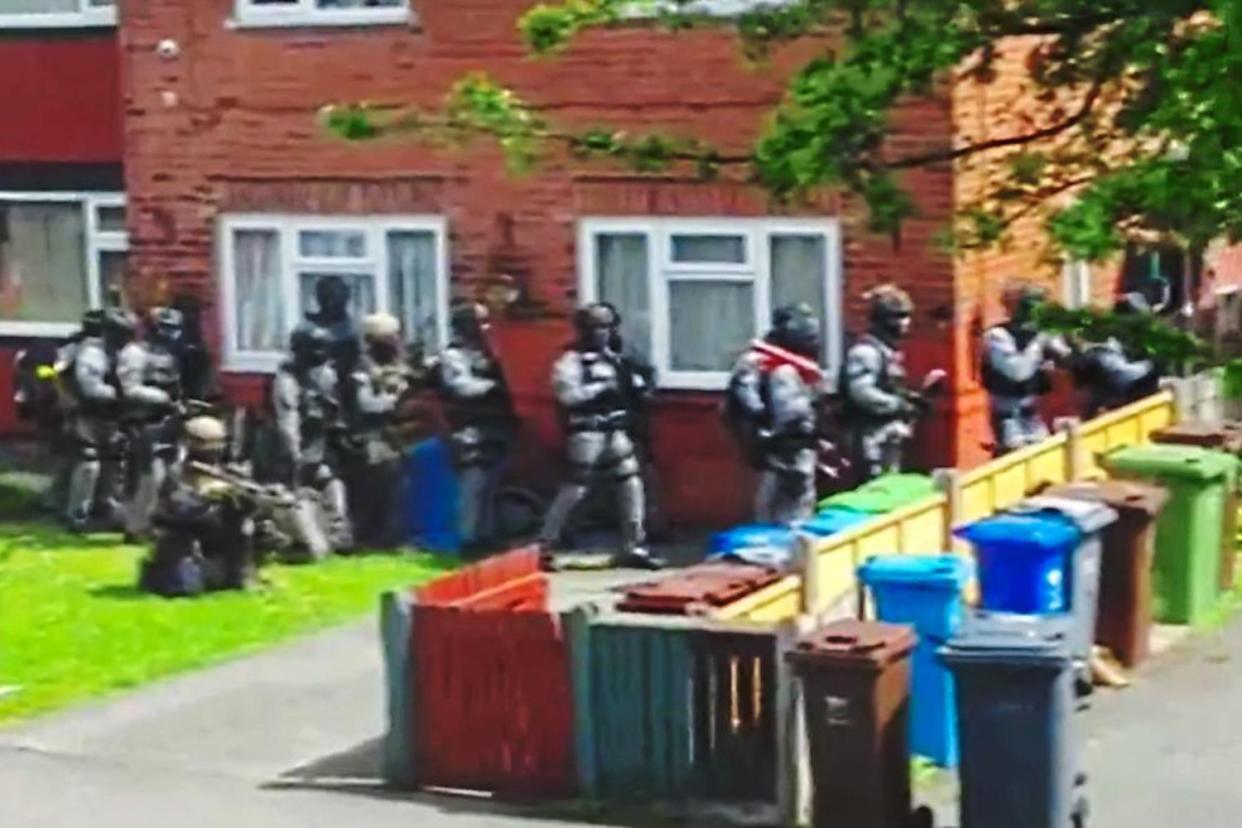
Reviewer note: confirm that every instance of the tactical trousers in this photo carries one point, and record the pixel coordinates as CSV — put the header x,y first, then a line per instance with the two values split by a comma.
x,y
600,457
786,491
479,457
154,450
1017,428
93,483
375,498
879,449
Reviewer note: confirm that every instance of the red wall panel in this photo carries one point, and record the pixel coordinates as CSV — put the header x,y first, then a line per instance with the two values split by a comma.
x,y
62,96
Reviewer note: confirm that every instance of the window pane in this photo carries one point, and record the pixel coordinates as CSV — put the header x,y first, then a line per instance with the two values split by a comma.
x,y
710,324
359,4
414,286
110,219
38,6
259,312
112,278
799,276
102,4
709,249
621,264
361,292
42,262
332,244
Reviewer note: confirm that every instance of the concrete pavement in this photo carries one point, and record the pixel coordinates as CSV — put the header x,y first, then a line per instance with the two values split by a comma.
x,y
289,738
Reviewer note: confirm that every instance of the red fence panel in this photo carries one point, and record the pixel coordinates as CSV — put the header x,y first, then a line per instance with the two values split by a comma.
x,y
494,702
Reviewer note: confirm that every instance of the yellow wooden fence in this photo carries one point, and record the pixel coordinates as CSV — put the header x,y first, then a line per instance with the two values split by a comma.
x,y
924,528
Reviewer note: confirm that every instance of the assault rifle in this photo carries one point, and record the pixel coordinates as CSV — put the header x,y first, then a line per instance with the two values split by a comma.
x,y
267,497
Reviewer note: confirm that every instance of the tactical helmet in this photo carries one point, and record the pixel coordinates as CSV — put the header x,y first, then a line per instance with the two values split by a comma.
x,y
468,317
1018,296
205,435
796,327
889,301
93,322
381,327
310,344
119,323
168,318
595,316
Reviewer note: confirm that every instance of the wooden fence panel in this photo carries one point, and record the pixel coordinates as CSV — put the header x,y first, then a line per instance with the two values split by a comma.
x,y
1007,480
494,701
1127,426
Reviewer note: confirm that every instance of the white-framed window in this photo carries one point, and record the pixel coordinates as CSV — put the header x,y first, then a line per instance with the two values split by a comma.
x,y
60,255
322,12
1076,284
709,8
31,14
693,293
269,265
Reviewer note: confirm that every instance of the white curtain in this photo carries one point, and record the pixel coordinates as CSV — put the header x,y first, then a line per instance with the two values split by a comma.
x,y
414,287
699,249
259,312
710,323
112,277
799,276
621,260
42,262
332,244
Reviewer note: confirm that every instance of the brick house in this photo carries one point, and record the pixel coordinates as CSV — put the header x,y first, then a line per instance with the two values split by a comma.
x,y
236,195
62,205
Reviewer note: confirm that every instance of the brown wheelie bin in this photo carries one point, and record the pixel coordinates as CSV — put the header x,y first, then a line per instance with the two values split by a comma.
x,y
1123,621
1226,437
856,691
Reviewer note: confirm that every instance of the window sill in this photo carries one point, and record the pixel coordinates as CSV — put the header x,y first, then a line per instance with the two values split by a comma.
x,y
49,330
325,20
101,19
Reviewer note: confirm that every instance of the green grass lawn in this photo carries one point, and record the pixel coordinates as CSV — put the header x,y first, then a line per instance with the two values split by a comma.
x,y
72,625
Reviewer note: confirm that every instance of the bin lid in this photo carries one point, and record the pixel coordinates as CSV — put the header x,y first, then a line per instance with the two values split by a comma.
x,y
756,535
884,494
1122,495
1227,436
856,644
1042,530
834,520
1011,639
1161,459
1087,516
946,572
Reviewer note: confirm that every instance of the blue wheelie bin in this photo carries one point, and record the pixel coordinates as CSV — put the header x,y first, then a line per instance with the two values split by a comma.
x,y
432,497
1091,518
926,593
763,544
1015,699
1023,561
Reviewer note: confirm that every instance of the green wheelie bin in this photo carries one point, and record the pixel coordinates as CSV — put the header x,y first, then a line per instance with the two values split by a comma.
x,y
1186,577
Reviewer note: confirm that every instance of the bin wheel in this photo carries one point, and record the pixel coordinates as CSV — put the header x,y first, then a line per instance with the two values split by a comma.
x,y
923,817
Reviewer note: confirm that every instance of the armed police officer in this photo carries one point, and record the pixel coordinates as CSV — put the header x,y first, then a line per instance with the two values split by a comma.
x,y
481,418
332,296
149,375
772,406
1018,364
204,538
599,390
1116,374
94,394
381,383
307,413
879,408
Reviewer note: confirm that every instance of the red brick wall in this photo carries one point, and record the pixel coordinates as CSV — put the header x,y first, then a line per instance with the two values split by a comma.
x,y
1003,104
229,125
62,98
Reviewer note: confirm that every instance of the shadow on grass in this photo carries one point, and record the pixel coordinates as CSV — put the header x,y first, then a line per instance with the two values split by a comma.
x,y
119,592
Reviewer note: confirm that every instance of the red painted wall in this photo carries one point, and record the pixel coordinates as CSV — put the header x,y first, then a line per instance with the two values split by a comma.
x,y
62,98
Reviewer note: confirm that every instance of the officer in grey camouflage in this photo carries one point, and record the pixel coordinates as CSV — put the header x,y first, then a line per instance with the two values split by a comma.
x,y
149,374
779,408
1018,364
307,413
204,527
94,425
481,418
380,383
1113,375
879,410
598,390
